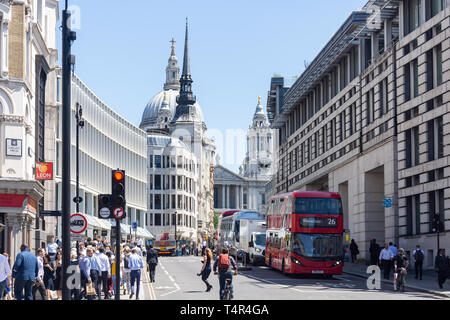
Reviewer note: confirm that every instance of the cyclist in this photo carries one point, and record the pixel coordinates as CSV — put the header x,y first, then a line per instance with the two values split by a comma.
x,y
224,263
401,264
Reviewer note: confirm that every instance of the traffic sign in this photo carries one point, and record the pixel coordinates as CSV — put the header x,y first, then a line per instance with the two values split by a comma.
x,y
119,213
50,213
105,213
134,225
104,233
78,223
387,203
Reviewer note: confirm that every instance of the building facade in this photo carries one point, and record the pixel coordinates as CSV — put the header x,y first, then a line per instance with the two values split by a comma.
x,y
180,156
107,142
27,95
247,190
369,119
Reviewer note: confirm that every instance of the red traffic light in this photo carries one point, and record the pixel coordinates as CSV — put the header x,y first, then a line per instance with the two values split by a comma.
x,y
118,175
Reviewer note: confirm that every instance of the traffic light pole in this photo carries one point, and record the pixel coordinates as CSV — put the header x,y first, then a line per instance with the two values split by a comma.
x,y
117,288
66,145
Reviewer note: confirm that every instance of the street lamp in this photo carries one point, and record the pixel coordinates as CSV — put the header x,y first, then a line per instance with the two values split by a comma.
x,y
176,247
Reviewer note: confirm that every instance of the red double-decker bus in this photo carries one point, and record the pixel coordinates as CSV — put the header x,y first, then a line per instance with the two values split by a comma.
x,y
305,233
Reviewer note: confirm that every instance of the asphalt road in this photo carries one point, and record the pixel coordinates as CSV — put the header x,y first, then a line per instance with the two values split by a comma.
x,y
176,279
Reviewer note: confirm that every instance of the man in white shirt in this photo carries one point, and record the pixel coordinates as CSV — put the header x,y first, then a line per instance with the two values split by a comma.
x,y
385,259
5,275
39,282
135,264
105,268
52,248
138,250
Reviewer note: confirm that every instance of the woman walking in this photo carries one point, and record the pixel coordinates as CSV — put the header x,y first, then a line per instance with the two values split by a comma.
x,y
49,276
206,268
58,275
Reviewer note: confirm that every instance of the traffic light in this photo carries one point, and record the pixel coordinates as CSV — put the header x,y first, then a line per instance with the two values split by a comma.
x,y
437,222
118,191
104,206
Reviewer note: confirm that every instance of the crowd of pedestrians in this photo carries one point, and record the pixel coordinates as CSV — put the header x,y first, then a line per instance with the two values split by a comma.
x,y
386,256
95,261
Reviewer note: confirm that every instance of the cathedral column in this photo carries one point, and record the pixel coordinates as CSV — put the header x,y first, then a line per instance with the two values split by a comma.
x,y
223,196
236,203
228,197
242,196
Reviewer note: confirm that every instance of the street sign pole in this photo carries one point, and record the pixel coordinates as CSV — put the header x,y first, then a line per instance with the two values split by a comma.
x,y
117,289
67,37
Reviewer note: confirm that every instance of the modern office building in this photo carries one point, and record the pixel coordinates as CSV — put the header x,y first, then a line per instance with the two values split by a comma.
x,y
27,95
107,142
369,119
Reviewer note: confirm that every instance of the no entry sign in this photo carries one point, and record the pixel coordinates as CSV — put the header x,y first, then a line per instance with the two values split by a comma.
x,y
78,223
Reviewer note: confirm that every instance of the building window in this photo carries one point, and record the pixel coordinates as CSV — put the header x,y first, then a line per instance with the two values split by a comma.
x,y
412,15
157,161
412,147
433,7
436,205
157,219
157,201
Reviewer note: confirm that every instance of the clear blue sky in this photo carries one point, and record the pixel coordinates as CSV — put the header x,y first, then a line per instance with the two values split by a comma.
x,y
122,49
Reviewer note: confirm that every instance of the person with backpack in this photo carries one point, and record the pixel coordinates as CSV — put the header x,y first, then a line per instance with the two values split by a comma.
x,y
126,270
152,261
224,263
418,255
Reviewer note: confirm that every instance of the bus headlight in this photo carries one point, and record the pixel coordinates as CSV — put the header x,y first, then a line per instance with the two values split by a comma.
x,y
337,263
258,250
296,261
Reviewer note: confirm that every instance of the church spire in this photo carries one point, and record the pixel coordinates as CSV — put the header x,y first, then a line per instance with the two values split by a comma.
x,y
186,97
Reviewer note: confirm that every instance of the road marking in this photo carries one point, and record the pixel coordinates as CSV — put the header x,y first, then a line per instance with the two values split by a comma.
x,y
171,279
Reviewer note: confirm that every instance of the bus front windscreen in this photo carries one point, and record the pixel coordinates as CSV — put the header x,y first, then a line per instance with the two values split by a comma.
x,y
328,206
317,246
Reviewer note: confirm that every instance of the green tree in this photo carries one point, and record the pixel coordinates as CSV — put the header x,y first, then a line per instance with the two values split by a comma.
x,y
216,220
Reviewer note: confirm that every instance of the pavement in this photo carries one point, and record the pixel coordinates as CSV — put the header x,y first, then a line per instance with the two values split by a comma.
x,y
428,283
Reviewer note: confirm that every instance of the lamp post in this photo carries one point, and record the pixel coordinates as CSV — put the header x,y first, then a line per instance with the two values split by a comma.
x,y
176,247
68,37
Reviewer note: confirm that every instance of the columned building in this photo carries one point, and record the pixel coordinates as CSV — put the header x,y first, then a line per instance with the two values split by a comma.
x,y
369,119
180,156
246,190
27,95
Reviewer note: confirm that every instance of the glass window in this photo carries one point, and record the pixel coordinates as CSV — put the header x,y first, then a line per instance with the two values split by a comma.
x,y
319,246
318,206
157,161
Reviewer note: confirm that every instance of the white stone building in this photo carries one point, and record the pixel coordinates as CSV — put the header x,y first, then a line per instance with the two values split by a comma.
x,y
27,96
246,190
180,158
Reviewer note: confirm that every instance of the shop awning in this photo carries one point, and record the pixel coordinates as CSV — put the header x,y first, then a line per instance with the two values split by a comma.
x,y
124,228
92,221
144,233
106,225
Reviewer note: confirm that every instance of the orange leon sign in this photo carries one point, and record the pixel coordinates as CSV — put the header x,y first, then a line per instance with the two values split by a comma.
x,y
44,171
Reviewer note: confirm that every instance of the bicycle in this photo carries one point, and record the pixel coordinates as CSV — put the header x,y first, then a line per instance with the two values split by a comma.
x,y
401,280
227,290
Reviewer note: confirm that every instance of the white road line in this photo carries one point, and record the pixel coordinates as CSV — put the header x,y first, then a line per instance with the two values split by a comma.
x,y
171,279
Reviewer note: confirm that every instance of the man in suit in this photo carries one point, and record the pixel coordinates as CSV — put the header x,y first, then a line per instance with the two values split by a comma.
x,y
442,266
25,272
152,261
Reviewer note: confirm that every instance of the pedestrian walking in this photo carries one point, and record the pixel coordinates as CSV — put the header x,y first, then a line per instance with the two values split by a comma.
x,y
374,252
95,272
52,248
418,255
385,258
354,250
204,244
59,275
126,270
152,262
138,250
135,264
5,276
39,284
75,292
442,267
105,271
393,249
206,268
25,271
49,276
